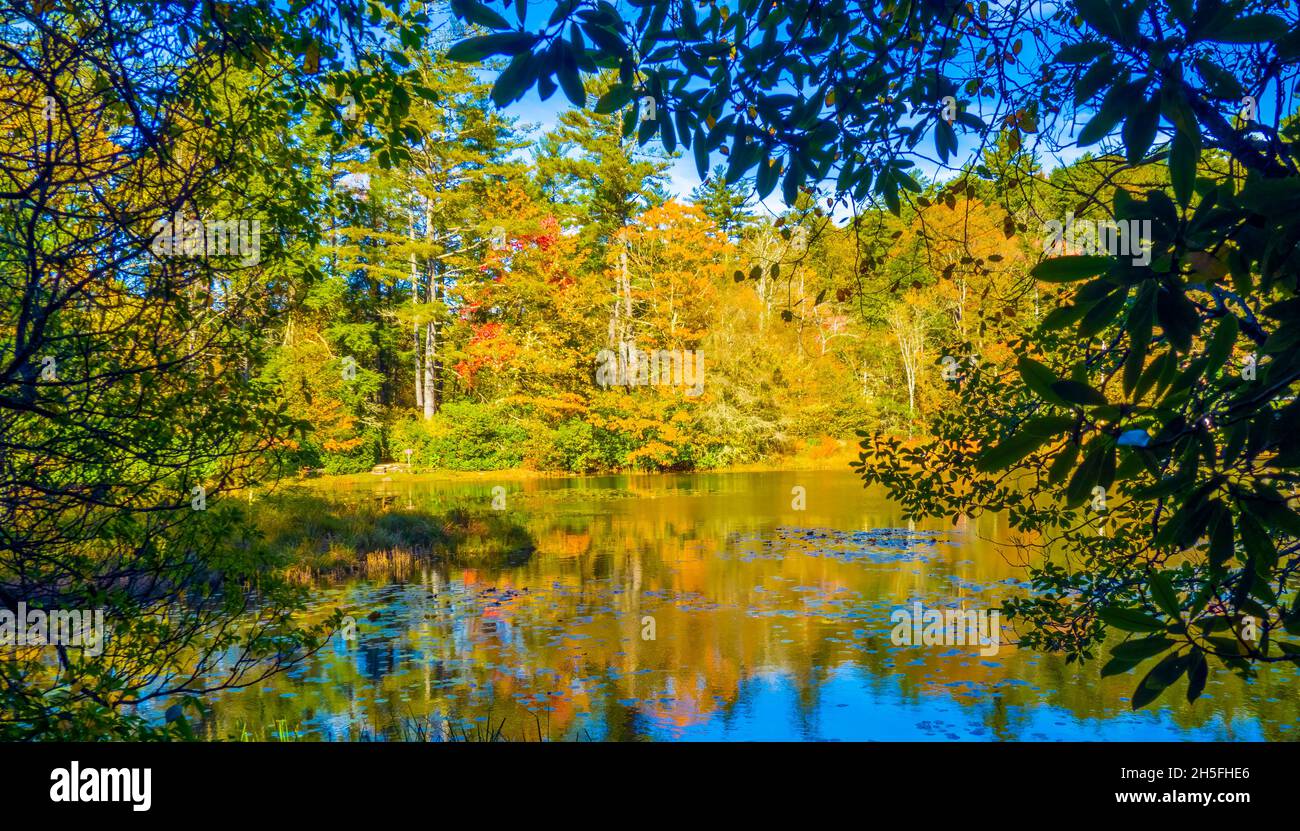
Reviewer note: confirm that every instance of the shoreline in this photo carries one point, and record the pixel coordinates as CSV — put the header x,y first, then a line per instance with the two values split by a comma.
x,y
527,474
394,471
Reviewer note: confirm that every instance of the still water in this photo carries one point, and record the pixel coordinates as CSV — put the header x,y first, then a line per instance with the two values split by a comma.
x,y
704,606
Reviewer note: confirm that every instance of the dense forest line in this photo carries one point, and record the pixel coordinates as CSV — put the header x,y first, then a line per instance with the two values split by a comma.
x,y
458,303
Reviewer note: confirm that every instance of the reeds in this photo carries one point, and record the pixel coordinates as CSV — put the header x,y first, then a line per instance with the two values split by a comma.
x,y
319,538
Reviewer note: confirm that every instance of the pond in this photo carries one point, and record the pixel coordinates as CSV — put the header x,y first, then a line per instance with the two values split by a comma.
x,y
713,606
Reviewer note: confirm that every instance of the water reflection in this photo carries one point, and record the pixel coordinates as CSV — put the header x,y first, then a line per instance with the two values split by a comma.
x,y
768,623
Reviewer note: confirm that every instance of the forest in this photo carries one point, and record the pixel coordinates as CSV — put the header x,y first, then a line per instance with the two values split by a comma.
x,y
456,303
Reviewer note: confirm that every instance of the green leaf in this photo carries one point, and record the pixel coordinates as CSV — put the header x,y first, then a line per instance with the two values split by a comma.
x,y
1164,595
1130,620
794,179
1010,451
1220,346
1198,671
1087,474
570,78
1114,105
1259,545
1076,392
561,11
1049,426
615,98
546,87
1071,268
891,201
765,181
1064,316
1140,130
1169,670
473,50
1225,84
1142,648
1183,156
1253,28
1117,666
701,150
514,81
1221,548
1185,525
667,134
1138,325
945,140
1101,125
1039,379
1101,314
1154,371
606,41
476,12
1094,80
1178,317
1063,463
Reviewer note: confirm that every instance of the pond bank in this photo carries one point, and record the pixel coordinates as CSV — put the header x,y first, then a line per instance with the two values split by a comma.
x,y
817,459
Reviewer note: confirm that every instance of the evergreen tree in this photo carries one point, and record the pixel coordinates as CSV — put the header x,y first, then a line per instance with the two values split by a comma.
x,y
729,206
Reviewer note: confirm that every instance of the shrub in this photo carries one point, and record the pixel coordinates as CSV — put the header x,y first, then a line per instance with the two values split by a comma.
x,y
577,447
465,435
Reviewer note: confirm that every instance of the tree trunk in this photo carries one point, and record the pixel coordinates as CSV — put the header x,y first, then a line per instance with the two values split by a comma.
x,y
620,319
432,366
430,370
908,332
415,326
